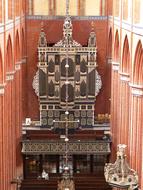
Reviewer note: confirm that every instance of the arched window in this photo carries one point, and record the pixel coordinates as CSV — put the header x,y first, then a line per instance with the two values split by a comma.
x,y
17,7
23,7
9,56
136,11
17,48
138,65
81,7
110,44
125,9
125,57
10,9
116,47
23,43
116,8
1,9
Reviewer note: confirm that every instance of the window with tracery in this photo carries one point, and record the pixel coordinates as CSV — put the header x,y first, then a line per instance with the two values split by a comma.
x,y
76,7
125,9
0,11
9,9
116,8
136,11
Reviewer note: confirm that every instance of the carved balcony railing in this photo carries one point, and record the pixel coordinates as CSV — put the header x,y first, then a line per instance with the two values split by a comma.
x,y
58,147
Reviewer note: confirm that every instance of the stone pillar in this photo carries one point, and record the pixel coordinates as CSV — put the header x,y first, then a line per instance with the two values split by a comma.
x,y
114,106
1,135
24,87
135,131
124,107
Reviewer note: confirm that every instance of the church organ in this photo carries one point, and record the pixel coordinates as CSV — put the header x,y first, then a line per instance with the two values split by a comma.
x,y
83,83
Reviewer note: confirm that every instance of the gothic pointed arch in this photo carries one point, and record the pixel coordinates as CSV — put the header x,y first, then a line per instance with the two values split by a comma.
x,y
17,47
9,55
70,93
23,43
125,56
83,88
57,76
70,69
110,43
83,66
51,66
1,68
51,89
116,47
138,64
77,76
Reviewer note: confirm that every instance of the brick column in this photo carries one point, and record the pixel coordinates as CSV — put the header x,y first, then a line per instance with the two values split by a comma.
x,y
1,136
24,88
9,130
135,132
124,107
114,106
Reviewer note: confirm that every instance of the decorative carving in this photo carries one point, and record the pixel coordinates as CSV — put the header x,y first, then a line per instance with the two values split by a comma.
x,y
98,83
42,39
92,39
66,184
44,121
51,66
70,69
83,121
68,65
57,76
43,113
51,89
77,113
77,76
70,93
83,66
119,174
35,83
54,147
83,88
67,36
50,113
42,57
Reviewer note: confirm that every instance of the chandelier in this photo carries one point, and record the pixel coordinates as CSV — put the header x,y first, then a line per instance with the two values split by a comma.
x,y
67,182
119,174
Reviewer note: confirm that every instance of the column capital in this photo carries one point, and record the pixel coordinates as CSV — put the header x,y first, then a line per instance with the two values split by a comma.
x,y
115,66
18,65
24,60
124,76
2,89
10,75
109,60
136,89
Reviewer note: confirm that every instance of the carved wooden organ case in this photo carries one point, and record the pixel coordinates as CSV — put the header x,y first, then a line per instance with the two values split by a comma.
x,y
84,81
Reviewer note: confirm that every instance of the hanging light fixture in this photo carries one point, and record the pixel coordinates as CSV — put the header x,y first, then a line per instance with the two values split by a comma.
x,y
119,174
67,182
